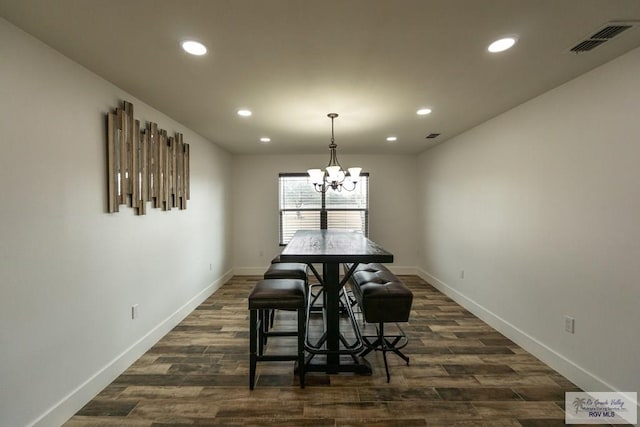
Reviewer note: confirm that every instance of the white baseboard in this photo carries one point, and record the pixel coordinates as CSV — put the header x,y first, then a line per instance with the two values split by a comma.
x,y
576,374
74,401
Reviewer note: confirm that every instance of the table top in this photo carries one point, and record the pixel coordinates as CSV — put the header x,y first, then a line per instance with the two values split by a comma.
x,y
333,246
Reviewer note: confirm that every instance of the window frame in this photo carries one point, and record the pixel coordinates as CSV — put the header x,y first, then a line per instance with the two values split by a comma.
x,y
323,211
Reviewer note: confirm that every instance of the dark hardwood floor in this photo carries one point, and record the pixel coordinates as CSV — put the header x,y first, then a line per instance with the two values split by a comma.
x,y
462,373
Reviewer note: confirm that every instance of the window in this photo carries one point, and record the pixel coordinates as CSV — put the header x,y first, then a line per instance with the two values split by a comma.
x,y
303,208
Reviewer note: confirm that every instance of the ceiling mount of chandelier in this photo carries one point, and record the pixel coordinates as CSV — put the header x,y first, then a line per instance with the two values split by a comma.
x,y
334,176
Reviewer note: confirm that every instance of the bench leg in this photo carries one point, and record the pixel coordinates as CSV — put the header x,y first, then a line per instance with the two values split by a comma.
x,y
302,326
383,344
253,341
391,346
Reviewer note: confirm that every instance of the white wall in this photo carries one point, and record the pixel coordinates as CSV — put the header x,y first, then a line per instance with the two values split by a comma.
x,y
392,206
541,208
69,272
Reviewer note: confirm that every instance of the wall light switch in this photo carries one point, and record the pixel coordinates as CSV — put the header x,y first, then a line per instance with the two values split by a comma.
x,y
134,311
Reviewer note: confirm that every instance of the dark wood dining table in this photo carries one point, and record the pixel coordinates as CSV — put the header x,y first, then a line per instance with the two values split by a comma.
x,y
331,248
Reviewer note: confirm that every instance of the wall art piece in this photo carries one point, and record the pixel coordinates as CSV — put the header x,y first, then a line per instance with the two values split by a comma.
x,y
144,164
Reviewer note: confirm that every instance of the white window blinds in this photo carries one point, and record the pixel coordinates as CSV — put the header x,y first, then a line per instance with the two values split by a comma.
x,y
302,207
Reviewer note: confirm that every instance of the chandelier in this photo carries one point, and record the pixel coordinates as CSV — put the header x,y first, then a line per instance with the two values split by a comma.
x,y
334,176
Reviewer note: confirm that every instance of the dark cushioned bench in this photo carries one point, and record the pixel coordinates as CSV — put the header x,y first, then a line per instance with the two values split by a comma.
x,y
381,295
383,298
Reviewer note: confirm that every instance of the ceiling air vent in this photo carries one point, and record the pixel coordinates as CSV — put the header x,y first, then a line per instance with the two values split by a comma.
x,y
605,33
586,45
432,135
610,31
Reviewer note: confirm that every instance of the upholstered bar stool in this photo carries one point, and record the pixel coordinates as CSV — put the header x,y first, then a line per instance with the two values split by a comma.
x,y
287,270
290,269
283,270
275,294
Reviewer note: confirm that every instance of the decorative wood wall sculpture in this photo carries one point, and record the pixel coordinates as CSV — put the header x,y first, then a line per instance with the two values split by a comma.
x,y
145,164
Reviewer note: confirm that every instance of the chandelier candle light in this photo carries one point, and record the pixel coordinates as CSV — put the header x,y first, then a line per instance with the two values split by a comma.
x,y
334,176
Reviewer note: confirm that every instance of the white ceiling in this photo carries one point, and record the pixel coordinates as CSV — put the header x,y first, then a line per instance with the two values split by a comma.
x,y
375,62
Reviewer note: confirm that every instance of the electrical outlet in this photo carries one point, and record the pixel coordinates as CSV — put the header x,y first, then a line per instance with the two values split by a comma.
x,y
134,311
210,267
462,274
569,324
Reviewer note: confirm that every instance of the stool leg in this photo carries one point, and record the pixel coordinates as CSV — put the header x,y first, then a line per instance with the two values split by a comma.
x,y
302,323
253,339
384,349
262,331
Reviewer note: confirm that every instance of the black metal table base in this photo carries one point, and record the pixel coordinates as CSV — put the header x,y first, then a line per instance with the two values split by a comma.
x,y
333,353
343,357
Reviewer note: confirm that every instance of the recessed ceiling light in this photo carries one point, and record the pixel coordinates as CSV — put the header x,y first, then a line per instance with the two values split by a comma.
x,y
244,113
194,47
392,138
265,139
423,111
501,45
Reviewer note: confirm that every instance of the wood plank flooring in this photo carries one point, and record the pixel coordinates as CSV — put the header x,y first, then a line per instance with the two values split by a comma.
x,y
462,373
